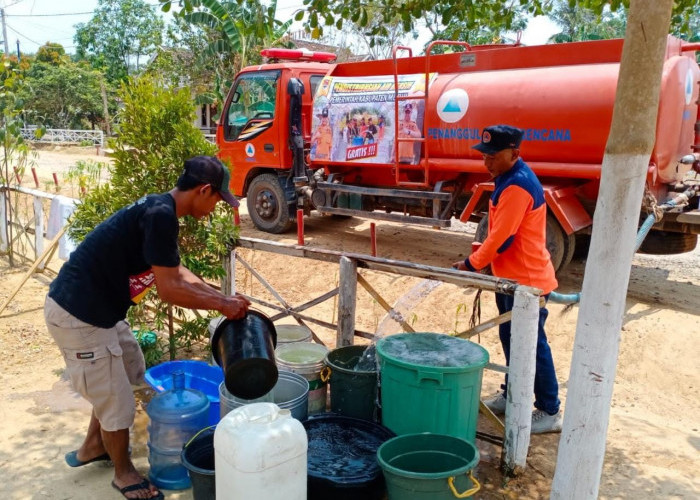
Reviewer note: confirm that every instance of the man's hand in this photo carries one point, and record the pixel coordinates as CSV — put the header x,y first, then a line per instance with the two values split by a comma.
x,y
459,265
235,307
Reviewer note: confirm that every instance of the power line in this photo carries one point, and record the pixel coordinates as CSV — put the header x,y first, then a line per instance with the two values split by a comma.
x,y
52,15
23,36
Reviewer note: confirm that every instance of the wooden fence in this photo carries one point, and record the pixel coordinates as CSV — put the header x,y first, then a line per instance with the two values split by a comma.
x,y
524,316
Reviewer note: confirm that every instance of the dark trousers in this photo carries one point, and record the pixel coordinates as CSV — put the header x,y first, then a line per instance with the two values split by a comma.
x,y
546,386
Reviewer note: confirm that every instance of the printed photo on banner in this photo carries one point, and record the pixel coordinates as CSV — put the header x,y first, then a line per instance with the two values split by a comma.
x,y
354,119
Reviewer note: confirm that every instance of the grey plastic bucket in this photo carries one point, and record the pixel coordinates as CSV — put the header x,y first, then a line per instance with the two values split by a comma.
x,y
291,392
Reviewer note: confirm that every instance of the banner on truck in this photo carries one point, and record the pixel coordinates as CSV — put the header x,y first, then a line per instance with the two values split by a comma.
x,y
354,119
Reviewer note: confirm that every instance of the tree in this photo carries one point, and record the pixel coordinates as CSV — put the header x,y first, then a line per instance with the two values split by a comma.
x,y
485,32
236,33
15,154
63,96
119,36
156,135
580,23
51,53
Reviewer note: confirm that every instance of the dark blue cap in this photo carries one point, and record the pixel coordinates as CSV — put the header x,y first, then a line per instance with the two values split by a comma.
x,y
499,137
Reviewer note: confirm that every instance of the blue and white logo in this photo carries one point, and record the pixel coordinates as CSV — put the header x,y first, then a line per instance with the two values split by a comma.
x,y
688,87
249,150
452,105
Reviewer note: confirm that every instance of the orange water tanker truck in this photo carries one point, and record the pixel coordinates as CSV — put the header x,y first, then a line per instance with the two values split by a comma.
x,y
392,139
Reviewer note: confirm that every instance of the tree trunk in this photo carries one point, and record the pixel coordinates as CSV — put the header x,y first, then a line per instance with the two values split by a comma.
x,y
596,346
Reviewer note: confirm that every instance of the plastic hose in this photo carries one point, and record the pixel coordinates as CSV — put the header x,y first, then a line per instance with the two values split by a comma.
x,y
575,298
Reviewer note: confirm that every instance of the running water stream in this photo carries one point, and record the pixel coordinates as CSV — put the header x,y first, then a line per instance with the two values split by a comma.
x,y
391,323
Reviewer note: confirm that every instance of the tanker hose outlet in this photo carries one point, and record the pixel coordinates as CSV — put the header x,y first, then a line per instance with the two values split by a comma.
x,y
305,192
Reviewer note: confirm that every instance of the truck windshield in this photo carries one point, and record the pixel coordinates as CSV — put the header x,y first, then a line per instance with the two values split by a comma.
x,y
253,97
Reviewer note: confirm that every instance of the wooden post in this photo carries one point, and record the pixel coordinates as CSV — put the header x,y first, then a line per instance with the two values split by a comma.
x,y
3,223
521,379
36,178
39,231
373,238
346,302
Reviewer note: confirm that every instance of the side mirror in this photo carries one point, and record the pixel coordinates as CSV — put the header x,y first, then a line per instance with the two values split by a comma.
x,y
295,87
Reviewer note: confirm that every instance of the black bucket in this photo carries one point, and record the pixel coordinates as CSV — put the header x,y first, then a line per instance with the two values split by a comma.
x,y
198,458
342,458
245,350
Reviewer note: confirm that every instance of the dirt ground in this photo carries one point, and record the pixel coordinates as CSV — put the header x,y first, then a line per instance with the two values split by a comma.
x,y
653,436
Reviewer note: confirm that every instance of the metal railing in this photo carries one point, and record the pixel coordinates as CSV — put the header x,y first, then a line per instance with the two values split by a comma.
x,y
65,136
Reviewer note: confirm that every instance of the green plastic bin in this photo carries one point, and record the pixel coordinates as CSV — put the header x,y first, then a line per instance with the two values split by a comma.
x,y
353,391
428,467
430,383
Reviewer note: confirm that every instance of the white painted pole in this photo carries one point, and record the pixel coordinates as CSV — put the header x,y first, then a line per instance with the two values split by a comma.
x,y
596,345
346,302
521,379
39,231
3,223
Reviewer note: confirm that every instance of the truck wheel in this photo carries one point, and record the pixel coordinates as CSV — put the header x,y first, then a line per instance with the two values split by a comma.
x,y
561,246
668,243
267,204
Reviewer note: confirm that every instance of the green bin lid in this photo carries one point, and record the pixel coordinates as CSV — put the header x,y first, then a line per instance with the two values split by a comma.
x,y
432,350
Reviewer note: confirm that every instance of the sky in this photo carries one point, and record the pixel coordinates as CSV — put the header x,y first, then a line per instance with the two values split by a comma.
x,y
34,22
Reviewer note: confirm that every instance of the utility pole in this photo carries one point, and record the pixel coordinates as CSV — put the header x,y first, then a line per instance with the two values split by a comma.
x,y
4,33
19,56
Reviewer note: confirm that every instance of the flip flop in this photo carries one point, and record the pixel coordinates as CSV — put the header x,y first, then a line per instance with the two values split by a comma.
x,y
73,461
143,485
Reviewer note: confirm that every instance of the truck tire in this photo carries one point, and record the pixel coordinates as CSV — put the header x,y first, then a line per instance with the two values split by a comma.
x,y
561,246
668,243
267,204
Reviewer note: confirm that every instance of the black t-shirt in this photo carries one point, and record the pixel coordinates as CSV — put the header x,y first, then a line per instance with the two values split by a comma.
x,y
111,269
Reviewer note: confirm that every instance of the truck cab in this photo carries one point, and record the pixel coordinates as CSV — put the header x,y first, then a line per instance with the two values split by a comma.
x,y
258,123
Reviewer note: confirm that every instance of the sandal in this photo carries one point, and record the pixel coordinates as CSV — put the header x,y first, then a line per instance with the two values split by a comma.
x,y
143,485
73,461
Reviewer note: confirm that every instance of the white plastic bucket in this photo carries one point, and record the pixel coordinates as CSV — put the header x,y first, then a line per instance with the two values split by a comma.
x,y
260,452
291,392
306,359
287,334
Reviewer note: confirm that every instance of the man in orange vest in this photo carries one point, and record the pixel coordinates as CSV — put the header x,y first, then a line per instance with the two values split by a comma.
x,y
516,249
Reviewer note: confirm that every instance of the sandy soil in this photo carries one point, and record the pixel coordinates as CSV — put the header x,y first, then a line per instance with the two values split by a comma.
x,y
653,436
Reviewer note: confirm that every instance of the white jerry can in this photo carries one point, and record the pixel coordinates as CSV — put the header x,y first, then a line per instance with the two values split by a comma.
x,y
260,452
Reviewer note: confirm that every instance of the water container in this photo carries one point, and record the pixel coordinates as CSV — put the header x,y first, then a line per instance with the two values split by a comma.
x,y
289,334
175,416
306,359
260,452
437,373
291,392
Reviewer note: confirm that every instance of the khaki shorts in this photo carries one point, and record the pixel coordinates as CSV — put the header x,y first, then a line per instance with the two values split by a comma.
x,y
102,364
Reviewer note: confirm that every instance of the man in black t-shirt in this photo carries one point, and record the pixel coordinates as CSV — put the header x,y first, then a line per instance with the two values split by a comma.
x,y
111,270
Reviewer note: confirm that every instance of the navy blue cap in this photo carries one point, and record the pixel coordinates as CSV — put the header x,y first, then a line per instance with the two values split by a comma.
x,y
210,170
499,137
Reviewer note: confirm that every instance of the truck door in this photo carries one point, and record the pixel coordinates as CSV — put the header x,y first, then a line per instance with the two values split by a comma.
x,y
248,136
